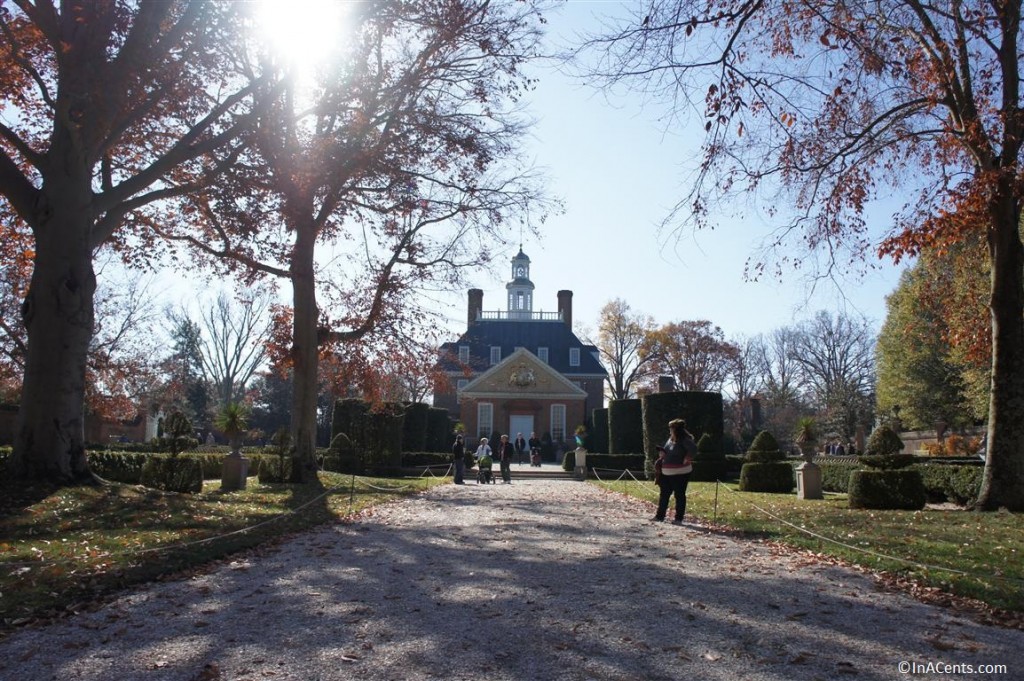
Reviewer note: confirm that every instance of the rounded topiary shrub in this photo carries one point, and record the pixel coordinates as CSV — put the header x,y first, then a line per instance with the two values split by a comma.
x,y
887,489
766,469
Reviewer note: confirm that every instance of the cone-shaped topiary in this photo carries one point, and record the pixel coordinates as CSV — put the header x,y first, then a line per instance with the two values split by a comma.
x,y
765,448
888,488
709,464
883,450
708,449
767,469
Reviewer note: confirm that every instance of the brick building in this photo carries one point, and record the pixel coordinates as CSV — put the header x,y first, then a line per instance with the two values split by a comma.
x,y
520,371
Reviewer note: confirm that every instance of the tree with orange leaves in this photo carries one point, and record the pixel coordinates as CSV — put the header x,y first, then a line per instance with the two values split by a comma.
x,y
110,107
403,161
832,104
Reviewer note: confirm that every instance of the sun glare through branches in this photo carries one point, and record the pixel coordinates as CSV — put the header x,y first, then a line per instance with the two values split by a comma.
x,y
304,34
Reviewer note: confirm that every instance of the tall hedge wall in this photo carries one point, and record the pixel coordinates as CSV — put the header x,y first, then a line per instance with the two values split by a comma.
x,y
599,431
702,412
375,435
414,427
439,430
625,427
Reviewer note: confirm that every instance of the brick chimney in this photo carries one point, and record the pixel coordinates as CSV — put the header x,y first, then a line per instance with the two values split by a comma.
x,y
565,307
476,305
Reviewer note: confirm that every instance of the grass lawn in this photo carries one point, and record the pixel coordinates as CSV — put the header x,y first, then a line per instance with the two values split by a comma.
x,y
977,555
59,549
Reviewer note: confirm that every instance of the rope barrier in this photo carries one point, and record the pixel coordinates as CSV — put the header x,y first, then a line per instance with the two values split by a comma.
x,y
906,561
386,489
243,530
206,540
621,475
427,469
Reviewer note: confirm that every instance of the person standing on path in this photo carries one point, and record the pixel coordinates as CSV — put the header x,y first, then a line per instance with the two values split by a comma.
x,y
520,444
504,453
459,460
534,450
676,466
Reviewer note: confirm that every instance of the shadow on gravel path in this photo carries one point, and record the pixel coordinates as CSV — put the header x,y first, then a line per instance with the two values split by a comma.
x,y
534,580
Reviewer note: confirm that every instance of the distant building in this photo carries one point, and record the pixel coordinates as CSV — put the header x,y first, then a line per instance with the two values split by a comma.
x,y
520,371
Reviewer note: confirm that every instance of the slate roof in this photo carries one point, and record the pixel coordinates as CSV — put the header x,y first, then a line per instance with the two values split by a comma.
x,y
512,334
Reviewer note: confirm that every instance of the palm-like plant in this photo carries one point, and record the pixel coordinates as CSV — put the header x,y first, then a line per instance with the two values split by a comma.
x,y
233,420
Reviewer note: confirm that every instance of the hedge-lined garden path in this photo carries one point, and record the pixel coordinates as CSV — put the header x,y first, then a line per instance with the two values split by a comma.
x,y
539,579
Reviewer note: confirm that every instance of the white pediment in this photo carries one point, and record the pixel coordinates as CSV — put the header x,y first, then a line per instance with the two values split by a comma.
x,y
522,374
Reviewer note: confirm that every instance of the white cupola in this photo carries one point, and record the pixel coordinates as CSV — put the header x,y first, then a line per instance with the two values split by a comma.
x,y
520,289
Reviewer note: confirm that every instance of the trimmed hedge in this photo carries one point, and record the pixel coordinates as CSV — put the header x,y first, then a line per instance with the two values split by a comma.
x,y
959,484
616,462
173,474
773,476
274,469
569,460
421,459
375,436
625,427
414,427
900,489
118,466
599,433
439,431
702,412
835,475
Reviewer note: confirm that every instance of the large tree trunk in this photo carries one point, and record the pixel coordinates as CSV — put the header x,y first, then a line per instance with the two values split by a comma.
x,y
305,355
1003,483
58,315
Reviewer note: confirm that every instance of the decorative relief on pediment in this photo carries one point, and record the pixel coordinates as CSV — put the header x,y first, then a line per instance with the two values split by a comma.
x,y
522,376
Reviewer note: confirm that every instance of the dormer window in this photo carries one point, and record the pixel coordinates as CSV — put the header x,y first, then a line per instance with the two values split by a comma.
x,y
574,357
464,354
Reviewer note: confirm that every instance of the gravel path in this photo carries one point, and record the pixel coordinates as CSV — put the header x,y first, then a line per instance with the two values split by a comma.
x,y
534,580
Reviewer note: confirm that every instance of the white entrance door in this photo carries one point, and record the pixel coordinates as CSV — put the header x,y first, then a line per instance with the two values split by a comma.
x,y
521,424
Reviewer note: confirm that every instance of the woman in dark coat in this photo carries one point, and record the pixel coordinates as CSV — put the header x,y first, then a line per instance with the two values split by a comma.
x,y
676,466
459,459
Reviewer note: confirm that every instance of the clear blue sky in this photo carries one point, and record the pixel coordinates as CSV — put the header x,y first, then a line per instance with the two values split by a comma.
x,y
619,171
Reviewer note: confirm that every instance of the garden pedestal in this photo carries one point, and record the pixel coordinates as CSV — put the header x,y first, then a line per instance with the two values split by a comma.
x,y
234,472
581,463
808,481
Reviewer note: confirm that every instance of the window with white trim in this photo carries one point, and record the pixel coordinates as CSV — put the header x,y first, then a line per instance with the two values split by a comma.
x,y
484,419
495,354
542,354
574,357
463,382
557,422
464,354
